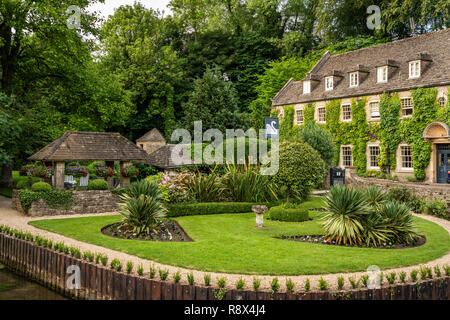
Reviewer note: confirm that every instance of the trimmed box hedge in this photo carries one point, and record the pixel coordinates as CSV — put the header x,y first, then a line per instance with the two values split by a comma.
x,y
192,209
281,213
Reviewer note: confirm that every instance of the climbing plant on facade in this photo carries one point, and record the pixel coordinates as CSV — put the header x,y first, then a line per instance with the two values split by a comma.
x,y
389,134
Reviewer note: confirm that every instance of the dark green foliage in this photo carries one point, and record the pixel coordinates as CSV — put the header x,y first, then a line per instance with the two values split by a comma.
x,y
300,169
274,285
56,199
320,139
190,278
323,284
289,285
221,282
176,277
98,184
143,187
129,267
192,209
163,274
288,213
240,284
435,208
307,285
23,184
205,187
207,279
41,187
340,282
140,269
213,101
256,283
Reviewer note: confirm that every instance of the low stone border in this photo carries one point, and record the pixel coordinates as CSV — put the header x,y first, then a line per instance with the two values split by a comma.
x,y
49,268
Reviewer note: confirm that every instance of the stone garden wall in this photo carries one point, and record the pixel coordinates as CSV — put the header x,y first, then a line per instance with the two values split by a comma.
x,y
49,268
426,191
84,202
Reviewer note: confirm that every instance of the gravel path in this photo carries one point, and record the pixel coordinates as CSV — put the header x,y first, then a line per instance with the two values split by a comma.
x,y
17,220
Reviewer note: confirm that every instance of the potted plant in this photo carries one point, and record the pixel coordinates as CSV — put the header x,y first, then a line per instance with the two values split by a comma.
x,y
129,172
105,172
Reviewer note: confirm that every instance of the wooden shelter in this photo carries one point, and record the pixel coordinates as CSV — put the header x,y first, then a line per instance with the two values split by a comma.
x,y
89,146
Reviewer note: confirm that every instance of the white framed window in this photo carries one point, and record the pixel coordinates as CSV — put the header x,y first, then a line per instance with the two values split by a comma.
x,y
374,109
346,156
382,74
299,114
346,112
441,101
407,107
374,154
306,87
354,79
414,69
321,114
406,157
328,83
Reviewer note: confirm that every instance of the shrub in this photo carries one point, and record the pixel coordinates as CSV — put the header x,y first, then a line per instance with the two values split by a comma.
x,y
23,184
143,187
56,199
143,214
192,209
98,184
375,196
274,285
221,282
320,139
289,285
447,270
365,280
435,208
300,169
190,278
163,274
286,213
207,279
177,277
400,222
41,187
413,274
402,195
129,267
340,282
391,278
140,269
256,283
245,183
437,271
402,277
240,284
416,204
114,263
152,272
104,260
205,187
323,284
307,285
411,179
353,282
345,210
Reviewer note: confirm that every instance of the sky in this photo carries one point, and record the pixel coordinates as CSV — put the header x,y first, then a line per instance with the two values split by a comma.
x,y
109,6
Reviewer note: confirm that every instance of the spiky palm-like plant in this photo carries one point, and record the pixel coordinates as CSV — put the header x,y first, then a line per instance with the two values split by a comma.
x,y
143,214
376,232
375,196
347,209
142,187
204,188
398,218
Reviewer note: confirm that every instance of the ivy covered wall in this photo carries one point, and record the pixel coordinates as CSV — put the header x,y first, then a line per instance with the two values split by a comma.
x,y
390,131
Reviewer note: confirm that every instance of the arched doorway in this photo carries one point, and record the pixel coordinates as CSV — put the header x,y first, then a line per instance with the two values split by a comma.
x,y
439,134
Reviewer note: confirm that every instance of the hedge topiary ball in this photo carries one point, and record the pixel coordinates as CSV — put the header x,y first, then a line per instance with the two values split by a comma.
x,y
23,184
98,184
41,187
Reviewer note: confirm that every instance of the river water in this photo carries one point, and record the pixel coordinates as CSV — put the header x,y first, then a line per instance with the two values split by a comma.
x,y
14,287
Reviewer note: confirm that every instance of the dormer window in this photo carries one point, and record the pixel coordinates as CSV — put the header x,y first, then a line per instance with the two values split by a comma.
x,y
306,87
414,69
354,79
328,83
382,74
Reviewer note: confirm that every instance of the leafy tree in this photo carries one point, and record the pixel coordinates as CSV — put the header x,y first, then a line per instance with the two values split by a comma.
x,y
300,169
320,139
213,101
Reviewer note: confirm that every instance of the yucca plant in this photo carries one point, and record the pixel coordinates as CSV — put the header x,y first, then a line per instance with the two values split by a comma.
x,y
376,232
375,196
346,210
142,214
398,218
142,187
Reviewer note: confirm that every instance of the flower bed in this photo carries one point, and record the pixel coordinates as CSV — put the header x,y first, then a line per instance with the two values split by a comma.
x,y
321,239
171,232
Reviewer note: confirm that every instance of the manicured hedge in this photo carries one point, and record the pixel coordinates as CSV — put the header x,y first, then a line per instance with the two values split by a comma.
x,y
192,209
98,184
282,213
41,187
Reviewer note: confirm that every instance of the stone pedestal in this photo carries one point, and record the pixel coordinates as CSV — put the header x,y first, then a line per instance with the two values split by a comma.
x,y
110,180
259,210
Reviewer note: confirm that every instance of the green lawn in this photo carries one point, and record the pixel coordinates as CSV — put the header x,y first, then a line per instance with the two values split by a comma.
x,y
230,243
7,192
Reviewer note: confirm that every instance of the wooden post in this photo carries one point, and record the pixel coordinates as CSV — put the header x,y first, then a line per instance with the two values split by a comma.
x,y
110,180
59,175
124,181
